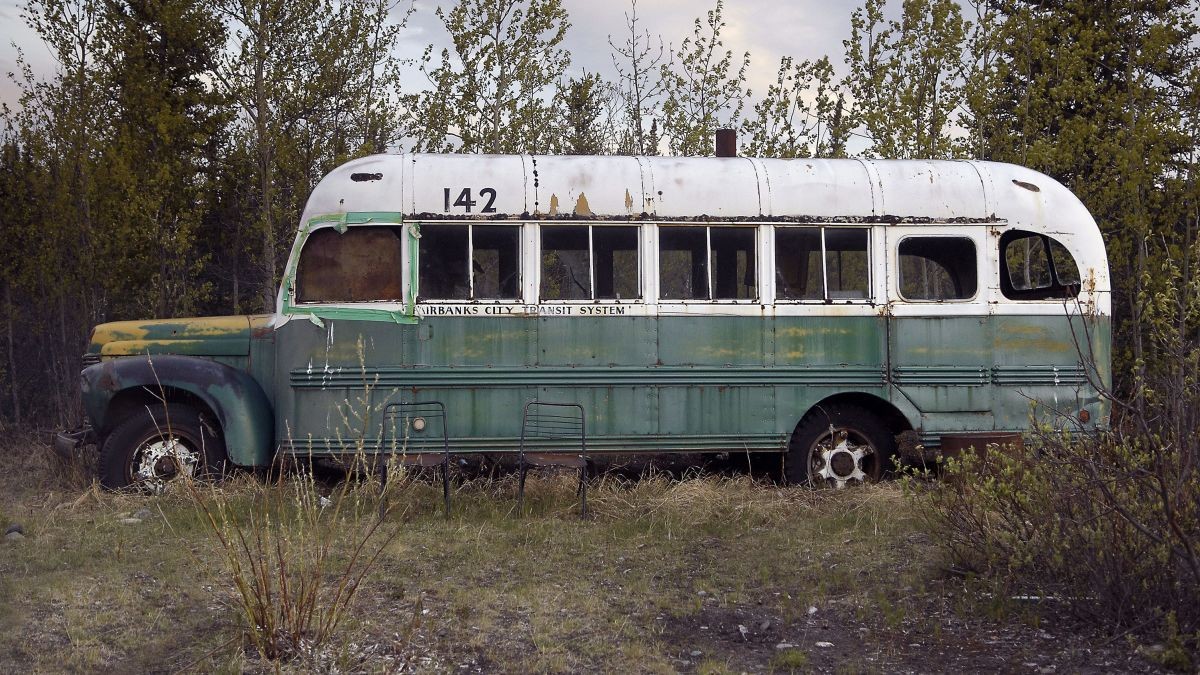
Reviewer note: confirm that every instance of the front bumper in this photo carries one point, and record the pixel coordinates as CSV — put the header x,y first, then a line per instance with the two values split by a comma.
x,y
65,443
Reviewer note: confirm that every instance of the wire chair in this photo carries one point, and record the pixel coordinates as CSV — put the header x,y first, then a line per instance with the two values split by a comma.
x,y
418,424
559,434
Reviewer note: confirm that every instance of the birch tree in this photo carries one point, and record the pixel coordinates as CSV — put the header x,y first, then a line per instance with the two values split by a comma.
x,y
798,116
703,88
637,62
906,77
494,91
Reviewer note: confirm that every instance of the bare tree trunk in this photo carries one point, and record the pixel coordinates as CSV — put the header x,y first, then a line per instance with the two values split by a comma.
x,y
12,361
262,110
237,249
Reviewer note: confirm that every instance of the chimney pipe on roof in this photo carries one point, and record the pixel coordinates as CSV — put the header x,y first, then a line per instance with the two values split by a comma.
x,y
726,143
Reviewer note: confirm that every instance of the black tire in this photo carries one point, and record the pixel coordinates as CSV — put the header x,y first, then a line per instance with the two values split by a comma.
x,y
817,456
138,452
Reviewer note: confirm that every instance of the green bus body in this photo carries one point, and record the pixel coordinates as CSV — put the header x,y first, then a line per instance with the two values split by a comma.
x,y
653,376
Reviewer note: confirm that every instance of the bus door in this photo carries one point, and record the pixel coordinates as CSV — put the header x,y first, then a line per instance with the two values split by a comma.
x,y
350,325
939,328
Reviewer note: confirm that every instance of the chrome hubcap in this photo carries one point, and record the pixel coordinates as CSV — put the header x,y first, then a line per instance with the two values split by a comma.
x,y
838,460
163,461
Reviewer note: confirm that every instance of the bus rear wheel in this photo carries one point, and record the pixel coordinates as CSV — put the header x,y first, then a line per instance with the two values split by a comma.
x,y
836,446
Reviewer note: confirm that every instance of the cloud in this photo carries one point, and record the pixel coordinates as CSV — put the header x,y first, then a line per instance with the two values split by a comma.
x,y
768,29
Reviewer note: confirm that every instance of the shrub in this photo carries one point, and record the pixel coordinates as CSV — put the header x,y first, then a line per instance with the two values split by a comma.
x,y
293,557
1108,523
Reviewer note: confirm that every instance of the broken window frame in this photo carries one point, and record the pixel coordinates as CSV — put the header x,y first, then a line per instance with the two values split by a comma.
x,y
709,264
868,292
591,264
294,281
1057,290
470,260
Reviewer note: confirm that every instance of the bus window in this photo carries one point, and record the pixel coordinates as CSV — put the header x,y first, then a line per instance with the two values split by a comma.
x,y
847,268
1064,264
798,271
1027,263
582,262
800,274
363,264
1036,267
566,264
683,263
707,263
937,268
495,262
493,271
731,260
616,262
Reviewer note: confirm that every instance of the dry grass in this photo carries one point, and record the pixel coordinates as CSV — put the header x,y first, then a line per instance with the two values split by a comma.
x,y
707,574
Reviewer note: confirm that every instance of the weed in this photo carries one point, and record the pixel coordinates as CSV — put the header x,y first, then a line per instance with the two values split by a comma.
x,y
789,661
295,558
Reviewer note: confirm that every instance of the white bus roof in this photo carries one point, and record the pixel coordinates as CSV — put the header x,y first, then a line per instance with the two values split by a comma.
x,y
702,188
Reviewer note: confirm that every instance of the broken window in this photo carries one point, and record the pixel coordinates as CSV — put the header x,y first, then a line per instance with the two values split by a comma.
x,y
696,260
470,262
617,266
800,274
362,264
1065,267
937,268
566,273
585,262
496,262
683,263
733,273
1036,267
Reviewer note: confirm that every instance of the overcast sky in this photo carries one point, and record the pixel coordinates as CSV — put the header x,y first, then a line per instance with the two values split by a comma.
x,y
768,29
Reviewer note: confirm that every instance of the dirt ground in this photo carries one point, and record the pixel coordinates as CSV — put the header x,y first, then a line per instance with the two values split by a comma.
x,y
713,573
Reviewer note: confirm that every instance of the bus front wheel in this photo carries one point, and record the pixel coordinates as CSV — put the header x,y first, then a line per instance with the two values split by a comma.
x,y
838,445
158,444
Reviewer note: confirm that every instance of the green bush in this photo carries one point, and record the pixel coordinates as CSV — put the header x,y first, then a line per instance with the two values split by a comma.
x,y
1107,523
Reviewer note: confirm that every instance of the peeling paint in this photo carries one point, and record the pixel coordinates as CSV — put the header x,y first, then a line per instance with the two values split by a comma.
x,y
581,206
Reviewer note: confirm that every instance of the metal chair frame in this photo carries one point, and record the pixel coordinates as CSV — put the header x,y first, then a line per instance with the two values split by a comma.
x,y
553,426
409,410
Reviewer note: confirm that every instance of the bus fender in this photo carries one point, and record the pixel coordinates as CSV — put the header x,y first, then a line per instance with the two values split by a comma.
x,y
241,407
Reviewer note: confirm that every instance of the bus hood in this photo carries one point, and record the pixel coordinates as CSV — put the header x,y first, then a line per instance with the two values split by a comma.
x,y
207,336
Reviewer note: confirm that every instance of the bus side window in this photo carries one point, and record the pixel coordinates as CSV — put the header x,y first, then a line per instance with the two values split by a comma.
x,y
363,264
444,273
707,263
937,268
798,272
584,262
1036,267
1027,263
1064,264
493,273
847,266
566,263
732,263
496,262
683,263
615,257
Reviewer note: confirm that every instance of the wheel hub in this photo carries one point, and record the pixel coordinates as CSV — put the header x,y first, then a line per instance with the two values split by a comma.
x,y
163,461
841,461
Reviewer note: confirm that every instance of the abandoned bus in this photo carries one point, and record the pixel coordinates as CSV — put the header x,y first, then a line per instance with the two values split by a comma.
x,y
818,309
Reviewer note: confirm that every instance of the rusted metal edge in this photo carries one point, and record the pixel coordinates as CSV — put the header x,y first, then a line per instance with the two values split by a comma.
x,y
648,217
